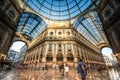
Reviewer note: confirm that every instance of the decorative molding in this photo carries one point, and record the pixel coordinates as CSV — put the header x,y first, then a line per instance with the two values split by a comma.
x,y
3,4
12,13
107,12
116,3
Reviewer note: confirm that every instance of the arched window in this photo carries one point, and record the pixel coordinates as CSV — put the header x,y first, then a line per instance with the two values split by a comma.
x,y
70,57
51,33
49,57
59,47
50,47
59,33
59,57
69,47
68,33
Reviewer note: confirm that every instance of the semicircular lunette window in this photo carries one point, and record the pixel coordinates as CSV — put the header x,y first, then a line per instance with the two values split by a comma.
x,y
61,9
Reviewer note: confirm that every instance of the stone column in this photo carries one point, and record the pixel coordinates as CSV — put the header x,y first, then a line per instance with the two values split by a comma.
x,y
74,51
39,53
81,52
26,58
32,55
54,53
63,50
45,50
35,54
5,40
80,47
65,54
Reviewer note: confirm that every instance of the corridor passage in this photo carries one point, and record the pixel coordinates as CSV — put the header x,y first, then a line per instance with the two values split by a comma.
x,y
27,74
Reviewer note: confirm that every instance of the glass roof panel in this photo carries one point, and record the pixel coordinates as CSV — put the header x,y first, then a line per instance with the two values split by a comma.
x,y
47,4
63,8
73,9
56,10
60,8
29,25
91,27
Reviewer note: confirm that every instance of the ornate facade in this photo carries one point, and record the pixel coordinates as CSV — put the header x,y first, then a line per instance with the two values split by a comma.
x,y
110,16
62,44
9,17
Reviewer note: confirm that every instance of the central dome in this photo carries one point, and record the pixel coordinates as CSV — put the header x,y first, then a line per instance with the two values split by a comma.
x,y
61,9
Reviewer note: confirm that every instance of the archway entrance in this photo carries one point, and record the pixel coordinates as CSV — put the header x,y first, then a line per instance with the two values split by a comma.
x,y
18,47
108,54
70,59
59,58
49,57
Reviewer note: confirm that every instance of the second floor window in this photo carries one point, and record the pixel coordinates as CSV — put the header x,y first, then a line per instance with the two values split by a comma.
x,y
59,47
69,46
59,33
68,33
50,47
51,33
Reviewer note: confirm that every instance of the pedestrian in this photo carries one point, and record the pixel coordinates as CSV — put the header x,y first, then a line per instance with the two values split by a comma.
x,y
54,65
43,67
46,68
62,69
81,70
66,70
57,68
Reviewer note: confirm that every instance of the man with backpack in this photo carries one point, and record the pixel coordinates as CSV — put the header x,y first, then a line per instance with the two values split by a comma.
x,y
81,70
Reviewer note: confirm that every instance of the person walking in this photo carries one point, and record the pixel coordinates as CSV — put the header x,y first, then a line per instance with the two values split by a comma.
x,y
66,70
62,69
46,68
81,70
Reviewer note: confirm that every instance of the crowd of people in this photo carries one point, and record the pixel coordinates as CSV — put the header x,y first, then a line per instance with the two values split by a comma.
x,y
61,68
64,69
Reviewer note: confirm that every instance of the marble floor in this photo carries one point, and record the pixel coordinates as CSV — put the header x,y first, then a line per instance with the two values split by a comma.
x,y
27,74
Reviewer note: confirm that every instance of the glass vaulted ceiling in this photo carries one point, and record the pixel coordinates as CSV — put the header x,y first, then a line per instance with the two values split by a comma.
x,y
90,26
30,25
61,9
